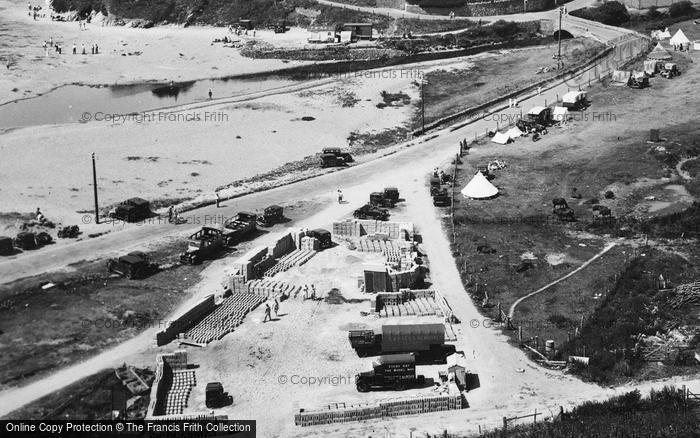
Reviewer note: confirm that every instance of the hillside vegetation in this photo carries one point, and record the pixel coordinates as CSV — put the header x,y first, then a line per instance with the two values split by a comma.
x,y
663,413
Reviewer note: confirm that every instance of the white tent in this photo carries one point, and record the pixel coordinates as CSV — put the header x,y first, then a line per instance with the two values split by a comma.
x,y
660,34
696,45
514,132
659,53
501,138
561,114
679,38
479,188
620,77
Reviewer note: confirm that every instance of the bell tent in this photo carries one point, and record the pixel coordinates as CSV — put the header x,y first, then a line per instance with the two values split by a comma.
x,y
659,53
479,188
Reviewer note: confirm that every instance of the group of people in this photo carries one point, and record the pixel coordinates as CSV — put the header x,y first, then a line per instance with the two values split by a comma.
x,y
268,310
684,47
33,10
238,31
47,45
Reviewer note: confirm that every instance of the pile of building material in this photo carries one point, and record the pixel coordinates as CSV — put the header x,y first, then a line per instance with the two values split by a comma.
x,y
407,302
384,246
342,413
686,295
224,319
135,380
266,288
172,385
364,227
293,259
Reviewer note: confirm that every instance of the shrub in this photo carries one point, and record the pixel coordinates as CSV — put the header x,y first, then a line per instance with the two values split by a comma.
x,y
681,9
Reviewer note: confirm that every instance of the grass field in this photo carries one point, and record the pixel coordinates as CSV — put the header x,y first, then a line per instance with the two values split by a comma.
x,y
507,247
496,74
662,413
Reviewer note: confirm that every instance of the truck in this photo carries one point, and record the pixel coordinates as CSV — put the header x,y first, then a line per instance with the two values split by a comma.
x,y
394,371
273,214
425,340
369,211
131,210
335,157
215,397
323,237
134,265
441,198
670,70
237,228
387,198
202,245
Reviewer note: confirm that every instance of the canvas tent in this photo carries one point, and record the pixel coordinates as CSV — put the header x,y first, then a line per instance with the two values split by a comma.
x,y
514,132
696,45
651,67
661,34
479,188
679,38
574,99
561,114
501,138
620,77
659,53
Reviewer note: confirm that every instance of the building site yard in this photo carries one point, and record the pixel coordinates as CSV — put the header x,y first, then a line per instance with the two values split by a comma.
x,y
512,245
57,319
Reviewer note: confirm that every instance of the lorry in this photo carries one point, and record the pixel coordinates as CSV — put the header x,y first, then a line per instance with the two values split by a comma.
x,y
323,237
215,397
387,198
273,214
425,340
202,245
131,210
369,211
335,157
133,265
237,228
441,198
394,371
670,70
574,100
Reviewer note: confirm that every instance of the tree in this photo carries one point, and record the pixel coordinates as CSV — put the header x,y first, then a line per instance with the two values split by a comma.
x,y
681,9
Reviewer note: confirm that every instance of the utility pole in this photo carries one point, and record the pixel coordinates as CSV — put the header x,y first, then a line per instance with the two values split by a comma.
x,y
561,11
94,188
422,105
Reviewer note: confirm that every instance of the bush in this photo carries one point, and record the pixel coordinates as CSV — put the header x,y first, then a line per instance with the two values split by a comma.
x,y
612,13
681,9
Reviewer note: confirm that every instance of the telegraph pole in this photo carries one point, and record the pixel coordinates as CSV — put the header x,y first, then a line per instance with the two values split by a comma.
x,y
94,188
423,83
561,11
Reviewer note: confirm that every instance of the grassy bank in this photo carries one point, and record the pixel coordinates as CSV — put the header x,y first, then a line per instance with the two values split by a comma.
x,y
662,413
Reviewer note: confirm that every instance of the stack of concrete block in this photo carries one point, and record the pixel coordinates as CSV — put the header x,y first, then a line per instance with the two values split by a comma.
x,y
245,264
361,227
235,283
224,319
309,244
294,259
283,246
384,409
185,321
269,288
